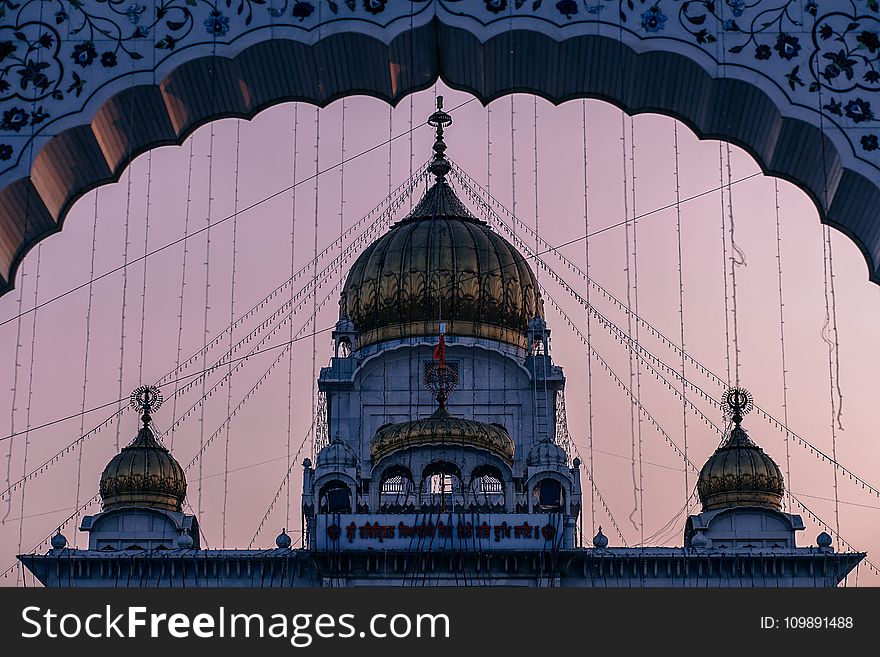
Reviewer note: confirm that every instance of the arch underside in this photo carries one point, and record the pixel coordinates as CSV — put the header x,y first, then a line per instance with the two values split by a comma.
x,y
272,71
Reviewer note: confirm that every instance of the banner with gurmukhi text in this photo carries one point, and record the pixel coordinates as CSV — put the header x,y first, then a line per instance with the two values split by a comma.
x,y
439,531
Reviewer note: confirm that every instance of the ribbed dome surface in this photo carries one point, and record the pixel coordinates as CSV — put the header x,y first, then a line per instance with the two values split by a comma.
x,y
337,453
442,428
143,474
739,473
441,263
546,452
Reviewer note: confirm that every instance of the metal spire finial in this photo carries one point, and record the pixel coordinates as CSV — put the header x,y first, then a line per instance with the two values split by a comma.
x,y
439,165
146,399
739,402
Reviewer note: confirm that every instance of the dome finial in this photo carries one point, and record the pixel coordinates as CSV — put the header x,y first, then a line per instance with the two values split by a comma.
x,y
439,165
146,399
739,402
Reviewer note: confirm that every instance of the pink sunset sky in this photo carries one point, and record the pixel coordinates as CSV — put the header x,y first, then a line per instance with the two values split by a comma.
x,y
168,192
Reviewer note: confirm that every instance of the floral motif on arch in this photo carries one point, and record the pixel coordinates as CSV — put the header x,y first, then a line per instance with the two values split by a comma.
x,y
825,54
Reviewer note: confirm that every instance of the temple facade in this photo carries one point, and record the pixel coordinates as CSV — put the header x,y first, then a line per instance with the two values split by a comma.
x,y
442,465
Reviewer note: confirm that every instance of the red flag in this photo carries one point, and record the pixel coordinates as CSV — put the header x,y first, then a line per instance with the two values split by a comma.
x,y
440,351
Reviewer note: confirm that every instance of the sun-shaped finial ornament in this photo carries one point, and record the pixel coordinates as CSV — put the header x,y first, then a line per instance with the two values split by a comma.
x,y
146,399
739,402
441,378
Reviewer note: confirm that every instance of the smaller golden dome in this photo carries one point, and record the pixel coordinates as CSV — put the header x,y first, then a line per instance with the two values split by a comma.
x,y
442,428
143,474
739,473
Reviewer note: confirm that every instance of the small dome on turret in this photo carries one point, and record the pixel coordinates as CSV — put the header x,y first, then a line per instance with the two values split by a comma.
x,y
739,473
184,541
546,452
337,455
144,474
59,541
283,541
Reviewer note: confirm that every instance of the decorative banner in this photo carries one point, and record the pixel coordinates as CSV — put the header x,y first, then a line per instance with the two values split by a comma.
x,y
419,532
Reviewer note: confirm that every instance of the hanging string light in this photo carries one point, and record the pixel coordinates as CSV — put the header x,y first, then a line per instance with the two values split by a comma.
x,y
678,234
315,269
489,146
16,365
737,259
724,262
589,358
231,332
87,347
636,341
829,329
146,250
182,282
205,315
789,484
292,274
30,395
124,298
633,414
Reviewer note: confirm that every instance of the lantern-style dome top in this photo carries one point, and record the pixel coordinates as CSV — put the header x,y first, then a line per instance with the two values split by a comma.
x,y
442,429
440,264
546,452
143,474
337,454
739,473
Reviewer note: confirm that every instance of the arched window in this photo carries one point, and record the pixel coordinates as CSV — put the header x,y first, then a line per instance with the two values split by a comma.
x,y
486,490
538,346
343,347
334,497
442,488
397,490
548,496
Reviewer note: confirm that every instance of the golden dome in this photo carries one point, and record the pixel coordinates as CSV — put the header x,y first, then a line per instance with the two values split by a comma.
x,y
441,262
442,428
143,474
739,473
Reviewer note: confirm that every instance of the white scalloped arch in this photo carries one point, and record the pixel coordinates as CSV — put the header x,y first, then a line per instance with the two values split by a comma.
x,y
119,122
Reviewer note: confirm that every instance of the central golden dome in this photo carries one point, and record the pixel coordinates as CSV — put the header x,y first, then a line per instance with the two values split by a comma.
x,y
441,264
